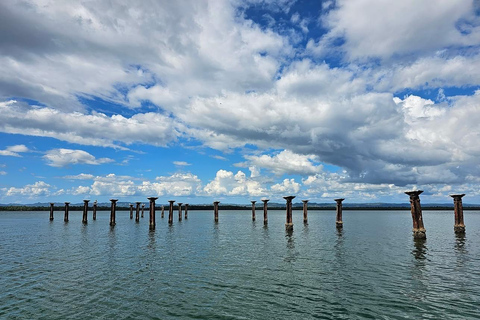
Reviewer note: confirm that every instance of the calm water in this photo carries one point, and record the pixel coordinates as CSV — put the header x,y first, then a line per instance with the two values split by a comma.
x,y
237,269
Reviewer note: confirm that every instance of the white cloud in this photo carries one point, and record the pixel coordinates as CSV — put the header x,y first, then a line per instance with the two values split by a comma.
x,y
286,162
181,163
14,151
286,187
38,189
403,27
95,129
178,184
65,157
81,176
227,183
2,173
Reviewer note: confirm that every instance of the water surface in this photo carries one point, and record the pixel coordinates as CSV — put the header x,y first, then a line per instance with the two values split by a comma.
x,y
239,269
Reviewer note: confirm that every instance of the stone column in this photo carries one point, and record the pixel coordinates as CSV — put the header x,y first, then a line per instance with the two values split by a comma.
x,y
95,210
339,219
419,231
265,210
51,210
186,211
459,226
179,211
137,212
253,210
65,218
305,211
152,212
85,211
215,210
289,223
163,212
170,211
143,209
113,210
131,211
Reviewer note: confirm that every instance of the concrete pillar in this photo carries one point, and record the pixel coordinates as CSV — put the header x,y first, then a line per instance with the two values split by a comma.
x,y
459,226
339,219
215,210
419,231
186,211
163,212
85,211
131,211
95,210
152,212
113,210
51,210
143,209
265,210
305,211
289,223
137,212
170,211
65,218
179,211
253,210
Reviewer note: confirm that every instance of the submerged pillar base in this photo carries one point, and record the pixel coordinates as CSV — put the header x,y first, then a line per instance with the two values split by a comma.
x,y
288,226
419,233
339,224
305,221
459,229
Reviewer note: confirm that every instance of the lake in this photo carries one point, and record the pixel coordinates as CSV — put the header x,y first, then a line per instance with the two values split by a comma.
x,y
239,269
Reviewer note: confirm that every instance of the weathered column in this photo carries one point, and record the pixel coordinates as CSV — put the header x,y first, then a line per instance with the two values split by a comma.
x,y
51,210
143,209
94,210
152,212
131,210
419,231
253,210
137,212
305,211
186,211
113,210
65,218
179,211
170,211
338,220
289,223
85,211
265,210
215,210
459,226
163,212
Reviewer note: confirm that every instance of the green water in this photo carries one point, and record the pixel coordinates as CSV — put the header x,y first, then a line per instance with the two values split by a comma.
x,y
239,269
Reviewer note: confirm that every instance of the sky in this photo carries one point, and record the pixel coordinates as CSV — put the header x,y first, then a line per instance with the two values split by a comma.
x,y
238,100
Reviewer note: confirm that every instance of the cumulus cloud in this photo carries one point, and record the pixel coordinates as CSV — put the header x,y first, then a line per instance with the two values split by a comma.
x,y
38,189
2,173
228,183
14,151
286,162
95,129
403,27
65,157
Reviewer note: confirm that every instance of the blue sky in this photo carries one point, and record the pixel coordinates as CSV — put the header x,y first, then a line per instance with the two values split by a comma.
x,y
239,100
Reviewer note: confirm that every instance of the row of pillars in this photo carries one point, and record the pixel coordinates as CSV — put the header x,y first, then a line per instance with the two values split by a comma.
x,y
419,231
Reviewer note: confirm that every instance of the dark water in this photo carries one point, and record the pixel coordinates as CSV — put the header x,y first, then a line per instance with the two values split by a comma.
x,y
237,269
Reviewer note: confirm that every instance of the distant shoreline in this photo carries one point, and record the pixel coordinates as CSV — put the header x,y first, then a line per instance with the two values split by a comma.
x,y
239,207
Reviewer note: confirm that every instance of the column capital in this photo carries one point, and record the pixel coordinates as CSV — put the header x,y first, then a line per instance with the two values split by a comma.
x,y
305,201
265,200
114,200
67,202
179,203
339,200
253,201
152,198
171,201
457,196
86,201
289,198
414,193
